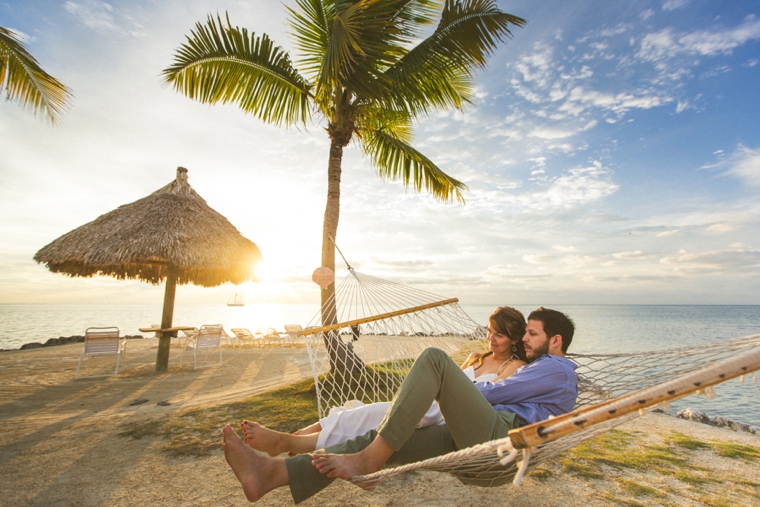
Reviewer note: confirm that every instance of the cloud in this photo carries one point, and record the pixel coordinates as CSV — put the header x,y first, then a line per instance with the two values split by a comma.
x,y
671,5
665,234
580,99
667,43
745,164
538,258
721,227
638,254
580,186
717,260
99,16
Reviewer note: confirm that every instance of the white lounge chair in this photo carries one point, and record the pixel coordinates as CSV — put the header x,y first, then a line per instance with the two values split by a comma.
x,y
187,336
102,341
208,338
245,337
291,333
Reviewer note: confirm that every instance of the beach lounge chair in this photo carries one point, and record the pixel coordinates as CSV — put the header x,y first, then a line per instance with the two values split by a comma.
x,y
270,336
186,337
208,338
102,341
291,333
155,338
245,337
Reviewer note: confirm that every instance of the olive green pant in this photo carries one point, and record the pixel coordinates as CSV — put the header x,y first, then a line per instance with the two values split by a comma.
x,y
470,420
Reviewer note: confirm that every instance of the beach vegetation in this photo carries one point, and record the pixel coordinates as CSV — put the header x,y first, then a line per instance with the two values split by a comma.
x,y
25,82
736,451
607,457
195,432
681,440
369,69
636,489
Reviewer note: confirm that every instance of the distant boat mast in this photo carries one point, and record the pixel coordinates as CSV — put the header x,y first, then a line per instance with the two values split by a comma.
x,y
237,299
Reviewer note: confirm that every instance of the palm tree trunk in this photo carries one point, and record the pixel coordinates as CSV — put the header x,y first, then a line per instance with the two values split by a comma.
x,y
342,357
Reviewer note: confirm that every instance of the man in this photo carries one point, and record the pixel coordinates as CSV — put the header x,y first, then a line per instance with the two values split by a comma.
x,y
474,413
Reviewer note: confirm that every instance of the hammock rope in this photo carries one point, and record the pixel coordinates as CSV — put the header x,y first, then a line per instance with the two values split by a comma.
x,y
387,325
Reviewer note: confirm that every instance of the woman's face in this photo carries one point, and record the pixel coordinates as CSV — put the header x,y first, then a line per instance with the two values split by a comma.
x,y
500,344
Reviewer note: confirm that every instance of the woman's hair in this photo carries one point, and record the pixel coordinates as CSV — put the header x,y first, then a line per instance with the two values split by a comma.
x,y
511,323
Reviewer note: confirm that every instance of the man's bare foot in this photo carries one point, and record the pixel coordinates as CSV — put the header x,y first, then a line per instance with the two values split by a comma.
x,y
344,466
263,439
257,474
314,428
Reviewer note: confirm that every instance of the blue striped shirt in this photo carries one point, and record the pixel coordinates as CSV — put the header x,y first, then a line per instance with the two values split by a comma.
x,y
547,386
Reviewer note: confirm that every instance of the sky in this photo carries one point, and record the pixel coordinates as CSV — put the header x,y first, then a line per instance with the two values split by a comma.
x,y
612,156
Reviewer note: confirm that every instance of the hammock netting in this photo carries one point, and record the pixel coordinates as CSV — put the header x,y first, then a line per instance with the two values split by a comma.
x,y
383,326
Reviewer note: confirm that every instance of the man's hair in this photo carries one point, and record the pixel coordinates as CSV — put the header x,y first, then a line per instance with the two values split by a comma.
x,y
555,323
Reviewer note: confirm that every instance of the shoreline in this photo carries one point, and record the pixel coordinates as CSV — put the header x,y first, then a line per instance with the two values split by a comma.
x,y
60,446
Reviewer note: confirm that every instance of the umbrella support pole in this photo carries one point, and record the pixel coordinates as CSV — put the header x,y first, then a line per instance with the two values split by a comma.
x,y
164,342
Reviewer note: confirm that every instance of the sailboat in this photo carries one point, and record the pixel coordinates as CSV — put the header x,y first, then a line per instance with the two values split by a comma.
x,y
237,299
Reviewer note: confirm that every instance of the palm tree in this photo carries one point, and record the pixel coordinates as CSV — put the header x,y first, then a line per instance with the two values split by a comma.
x,y
367,67
26,82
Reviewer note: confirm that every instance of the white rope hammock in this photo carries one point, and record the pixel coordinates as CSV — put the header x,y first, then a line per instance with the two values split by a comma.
x,y
387,325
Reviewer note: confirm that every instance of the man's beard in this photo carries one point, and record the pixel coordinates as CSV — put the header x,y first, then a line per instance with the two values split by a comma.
x,y
537,352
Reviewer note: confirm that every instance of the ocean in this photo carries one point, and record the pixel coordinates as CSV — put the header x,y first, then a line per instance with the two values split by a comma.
x,y
599,328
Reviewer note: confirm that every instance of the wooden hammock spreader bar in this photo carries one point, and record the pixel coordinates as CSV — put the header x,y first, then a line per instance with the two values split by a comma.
x,y
333,327
552,429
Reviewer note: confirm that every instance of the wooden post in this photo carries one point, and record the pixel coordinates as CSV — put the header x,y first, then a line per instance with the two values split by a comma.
x,y
165,339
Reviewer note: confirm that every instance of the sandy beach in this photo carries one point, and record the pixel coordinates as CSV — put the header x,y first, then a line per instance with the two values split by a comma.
x,y
60,444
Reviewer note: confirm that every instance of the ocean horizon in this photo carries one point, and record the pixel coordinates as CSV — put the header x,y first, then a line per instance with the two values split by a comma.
x,y
599,329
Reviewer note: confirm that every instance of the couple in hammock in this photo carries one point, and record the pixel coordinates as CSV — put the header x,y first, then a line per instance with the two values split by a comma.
x,y
474,412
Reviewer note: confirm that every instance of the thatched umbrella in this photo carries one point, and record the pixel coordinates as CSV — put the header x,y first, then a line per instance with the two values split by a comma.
x,y
171,235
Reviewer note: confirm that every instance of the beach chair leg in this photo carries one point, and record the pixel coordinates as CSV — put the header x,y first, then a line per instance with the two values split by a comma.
x,y
79,366
118,358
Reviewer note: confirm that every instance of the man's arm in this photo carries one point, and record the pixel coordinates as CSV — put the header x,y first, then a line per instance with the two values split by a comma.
x,y
541,378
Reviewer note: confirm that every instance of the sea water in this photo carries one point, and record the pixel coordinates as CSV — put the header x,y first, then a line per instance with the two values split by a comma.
x,y
599,329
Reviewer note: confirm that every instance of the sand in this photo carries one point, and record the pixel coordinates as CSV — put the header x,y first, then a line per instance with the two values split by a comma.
x,y
59,444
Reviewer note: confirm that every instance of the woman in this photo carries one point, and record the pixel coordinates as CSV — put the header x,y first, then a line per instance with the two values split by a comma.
x,y
506,328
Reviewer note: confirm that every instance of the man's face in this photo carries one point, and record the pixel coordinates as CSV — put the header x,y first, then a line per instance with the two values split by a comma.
x,y
535,340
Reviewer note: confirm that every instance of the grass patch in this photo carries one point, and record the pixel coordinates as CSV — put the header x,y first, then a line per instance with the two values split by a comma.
x,y
736,451
638,490
196,432
541,473
681,440
620,501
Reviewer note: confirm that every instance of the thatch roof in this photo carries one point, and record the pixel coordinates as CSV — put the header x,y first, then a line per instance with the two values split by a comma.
x,y
171,226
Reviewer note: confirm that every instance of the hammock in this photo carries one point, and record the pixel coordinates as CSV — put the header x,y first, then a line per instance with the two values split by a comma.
x,y
387,325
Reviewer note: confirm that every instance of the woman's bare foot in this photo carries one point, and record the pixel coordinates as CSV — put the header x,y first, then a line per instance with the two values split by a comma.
x,y
265,440
257,474
275,443
314,428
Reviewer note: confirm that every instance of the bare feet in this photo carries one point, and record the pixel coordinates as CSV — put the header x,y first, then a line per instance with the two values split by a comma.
x,y
257,474
314,428
343,466
263,439
275,443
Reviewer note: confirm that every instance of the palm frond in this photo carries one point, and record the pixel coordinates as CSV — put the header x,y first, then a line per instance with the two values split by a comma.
x,y
224,64
311,29
25,81
395,160
470,30
467,34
